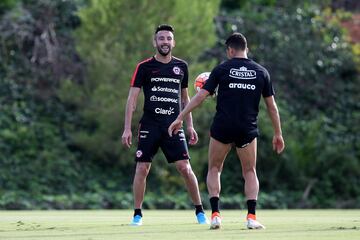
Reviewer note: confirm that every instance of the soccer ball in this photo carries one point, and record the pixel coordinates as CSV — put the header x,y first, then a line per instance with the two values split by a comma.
x,y
201,80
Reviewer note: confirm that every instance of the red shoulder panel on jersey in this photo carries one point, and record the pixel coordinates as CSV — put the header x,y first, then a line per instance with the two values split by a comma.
x,y
136,70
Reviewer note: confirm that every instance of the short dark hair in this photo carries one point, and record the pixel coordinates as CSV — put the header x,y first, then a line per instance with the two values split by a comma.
x,y
164,27
236,41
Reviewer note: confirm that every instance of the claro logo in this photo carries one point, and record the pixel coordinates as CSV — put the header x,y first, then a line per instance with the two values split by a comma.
x,y
242,73
164,111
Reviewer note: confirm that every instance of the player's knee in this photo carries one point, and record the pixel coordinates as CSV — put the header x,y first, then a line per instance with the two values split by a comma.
x,y
215,168
250,170
185,170
142,170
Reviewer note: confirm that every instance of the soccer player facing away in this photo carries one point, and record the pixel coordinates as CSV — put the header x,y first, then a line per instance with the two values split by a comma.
x,y
241,83
164,80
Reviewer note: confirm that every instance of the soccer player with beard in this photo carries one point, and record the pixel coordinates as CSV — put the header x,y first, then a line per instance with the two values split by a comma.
x,y
164,79
241,82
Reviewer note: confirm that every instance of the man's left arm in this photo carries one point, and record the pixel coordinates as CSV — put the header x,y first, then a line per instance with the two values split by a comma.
x,y
185,99
278,141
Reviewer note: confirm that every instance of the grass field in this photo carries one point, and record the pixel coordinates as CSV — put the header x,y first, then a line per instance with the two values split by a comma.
x,y
113,224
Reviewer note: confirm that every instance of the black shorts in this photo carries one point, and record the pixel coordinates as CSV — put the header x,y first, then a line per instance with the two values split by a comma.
x,y
151,137
228,133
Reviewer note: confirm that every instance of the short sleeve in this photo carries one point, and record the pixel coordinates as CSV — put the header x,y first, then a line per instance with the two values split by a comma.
x,y
138,77
185,80
212,81
268,89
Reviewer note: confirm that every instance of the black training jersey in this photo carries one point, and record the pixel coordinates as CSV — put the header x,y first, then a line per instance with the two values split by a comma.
x,y
162,84
241,83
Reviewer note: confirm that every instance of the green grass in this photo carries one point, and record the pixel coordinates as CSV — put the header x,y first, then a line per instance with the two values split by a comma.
x,y
172,224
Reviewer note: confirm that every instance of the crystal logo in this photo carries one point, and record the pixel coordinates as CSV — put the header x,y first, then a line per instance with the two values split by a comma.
x,y
154,98
164,111
242,73
164,89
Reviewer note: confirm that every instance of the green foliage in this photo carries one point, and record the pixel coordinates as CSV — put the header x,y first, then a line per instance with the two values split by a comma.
x,y
5,5
235,5
64,80
34,155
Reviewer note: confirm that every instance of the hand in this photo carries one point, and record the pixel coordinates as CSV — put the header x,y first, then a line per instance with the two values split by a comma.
x,y
175,127
278,143
126,138
193,136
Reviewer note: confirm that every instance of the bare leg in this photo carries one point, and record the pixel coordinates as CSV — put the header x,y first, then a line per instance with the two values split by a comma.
x,y
247,157
139,184
217,154
184,168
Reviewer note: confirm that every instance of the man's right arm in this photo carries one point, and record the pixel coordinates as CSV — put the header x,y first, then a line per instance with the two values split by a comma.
x,y
130,108
278,141
194,103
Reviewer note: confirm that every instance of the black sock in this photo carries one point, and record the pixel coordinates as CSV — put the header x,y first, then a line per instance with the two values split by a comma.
x,y
137,211
251,206
214,202
198,209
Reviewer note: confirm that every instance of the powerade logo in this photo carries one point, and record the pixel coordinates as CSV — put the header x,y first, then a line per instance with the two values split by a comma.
x,y
164,89
154,98
242,86
171,80
242,73
164,111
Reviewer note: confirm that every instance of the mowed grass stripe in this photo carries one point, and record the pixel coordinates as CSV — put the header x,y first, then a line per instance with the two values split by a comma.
x,y
174,224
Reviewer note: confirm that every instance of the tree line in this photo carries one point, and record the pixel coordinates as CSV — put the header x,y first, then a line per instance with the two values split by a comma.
x,y
65,69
